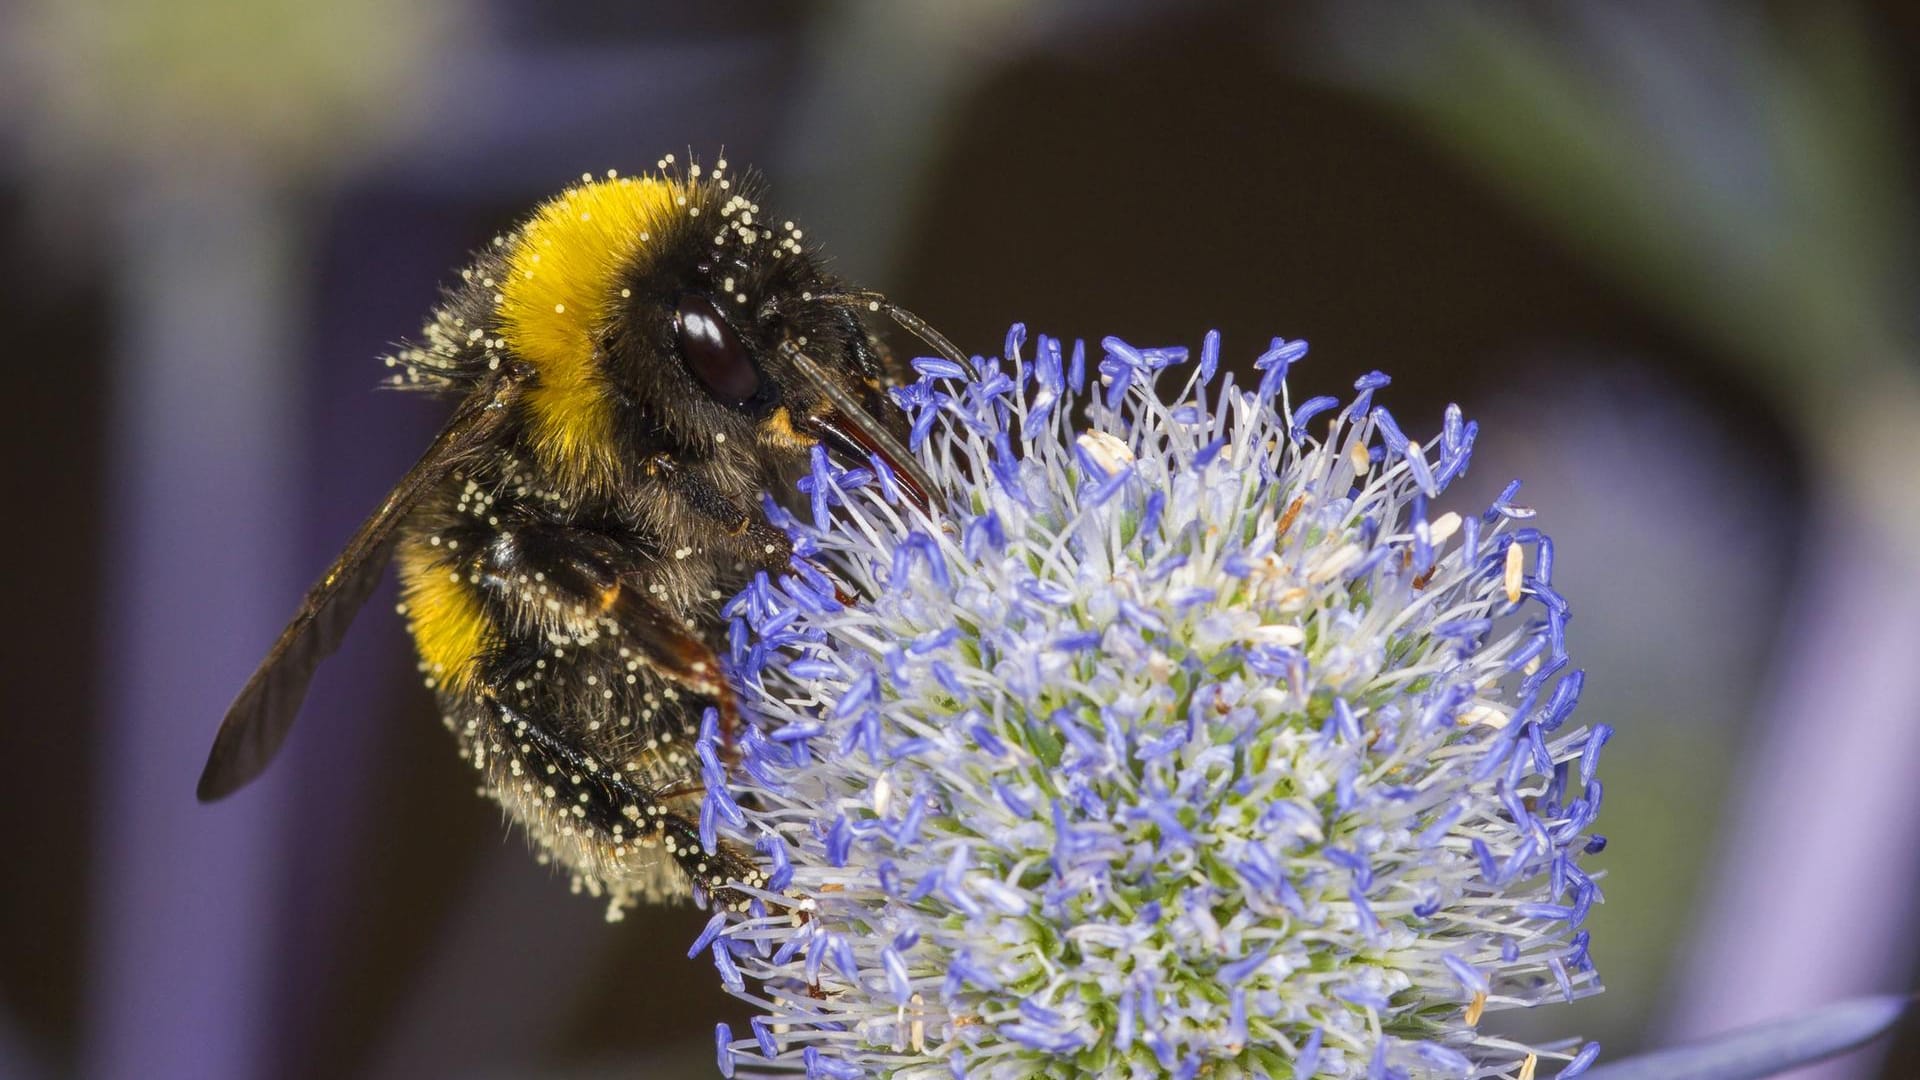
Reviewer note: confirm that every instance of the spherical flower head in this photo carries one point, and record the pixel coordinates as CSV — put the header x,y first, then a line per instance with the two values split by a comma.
x,y
1184,736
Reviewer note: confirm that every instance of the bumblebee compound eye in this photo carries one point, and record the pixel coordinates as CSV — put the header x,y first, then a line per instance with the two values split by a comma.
x,y
713,353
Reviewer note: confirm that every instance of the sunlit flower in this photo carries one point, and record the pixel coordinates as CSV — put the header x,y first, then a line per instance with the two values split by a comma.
x,y
1188,737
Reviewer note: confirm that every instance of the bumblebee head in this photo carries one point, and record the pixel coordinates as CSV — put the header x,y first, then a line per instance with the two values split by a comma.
x,y
667,315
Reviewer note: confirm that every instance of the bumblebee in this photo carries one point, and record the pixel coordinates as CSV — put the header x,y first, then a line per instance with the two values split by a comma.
x,y
636,364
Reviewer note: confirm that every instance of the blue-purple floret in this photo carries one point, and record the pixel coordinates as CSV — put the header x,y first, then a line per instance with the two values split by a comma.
x,y
1186,735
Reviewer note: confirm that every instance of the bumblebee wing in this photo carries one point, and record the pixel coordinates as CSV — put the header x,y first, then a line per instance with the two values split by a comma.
x,y
259,718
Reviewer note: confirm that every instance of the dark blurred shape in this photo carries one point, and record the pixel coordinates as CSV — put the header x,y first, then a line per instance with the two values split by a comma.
x,y
52,550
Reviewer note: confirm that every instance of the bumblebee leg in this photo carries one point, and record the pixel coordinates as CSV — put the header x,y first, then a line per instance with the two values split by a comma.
x,y
581,569
602,812
771,549
674,653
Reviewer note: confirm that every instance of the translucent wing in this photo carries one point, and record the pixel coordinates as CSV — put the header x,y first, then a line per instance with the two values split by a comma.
x,y
259,718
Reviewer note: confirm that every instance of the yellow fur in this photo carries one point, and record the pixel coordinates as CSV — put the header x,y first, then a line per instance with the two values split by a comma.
x,y
778,431
449,627
563,285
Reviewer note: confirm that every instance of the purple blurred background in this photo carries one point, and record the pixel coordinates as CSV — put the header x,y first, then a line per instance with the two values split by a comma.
x,y
1663,252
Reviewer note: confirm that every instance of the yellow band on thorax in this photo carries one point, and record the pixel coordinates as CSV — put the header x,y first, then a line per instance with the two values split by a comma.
x,y
562,287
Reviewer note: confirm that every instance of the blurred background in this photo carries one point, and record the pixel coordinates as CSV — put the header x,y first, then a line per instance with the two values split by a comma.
x,y
1664,252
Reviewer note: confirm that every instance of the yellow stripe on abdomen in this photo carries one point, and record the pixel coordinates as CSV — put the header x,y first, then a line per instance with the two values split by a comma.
x,y
563,285
450,627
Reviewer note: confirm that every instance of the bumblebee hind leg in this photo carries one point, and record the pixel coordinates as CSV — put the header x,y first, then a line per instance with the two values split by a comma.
x,y
606,824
